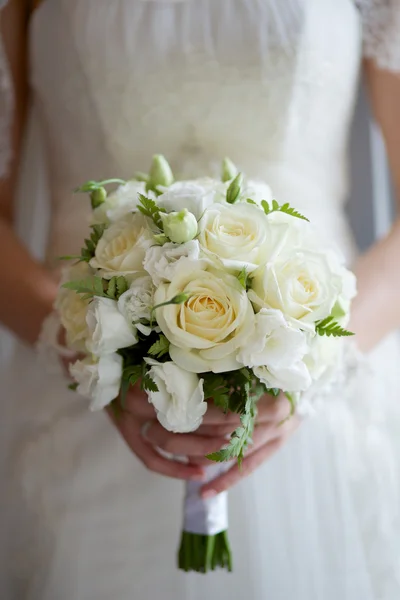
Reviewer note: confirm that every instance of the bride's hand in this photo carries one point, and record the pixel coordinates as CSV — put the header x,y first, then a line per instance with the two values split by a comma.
x,y
139,427
272,429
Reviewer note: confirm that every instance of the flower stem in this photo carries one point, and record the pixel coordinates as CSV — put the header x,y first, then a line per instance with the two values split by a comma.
x,y
203,553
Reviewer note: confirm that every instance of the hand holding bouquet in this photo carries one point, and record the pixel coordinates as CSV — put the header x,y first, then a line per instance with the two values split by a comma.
x,y
202,292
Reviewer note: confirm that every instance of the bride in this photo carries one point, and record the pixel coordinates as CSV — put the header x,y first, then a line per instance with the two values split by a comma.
x,y
92,88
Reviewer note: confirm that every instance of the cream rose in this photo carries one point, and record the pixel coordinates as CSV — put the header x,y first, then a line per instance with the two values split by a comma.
x,y
72,309
237,235
275,351
122,247
208,330
161,262
98,379
300,283
179,401
108,329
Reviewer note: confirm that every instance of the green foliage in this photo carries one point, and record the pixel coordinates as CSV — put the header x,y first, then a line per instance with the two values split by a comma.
x,y
160,347
115,287
73,387
149,208
241,437
243,278
96,286
250,201
215,387
330,327
131,375
89,248
89,287
285,208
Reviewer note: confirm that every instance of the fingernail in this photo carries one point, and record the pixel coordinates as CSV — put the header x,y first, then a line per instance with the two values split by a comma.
x,y
209,494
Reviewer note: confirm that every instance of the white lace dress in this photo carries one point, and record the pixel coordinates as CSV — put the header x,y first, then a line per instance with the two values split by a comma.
x,y
271,85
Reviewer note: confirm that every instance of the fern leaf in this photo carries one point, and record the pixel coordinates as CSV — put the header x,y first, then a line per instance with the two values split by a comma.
x,y
330,327
160,347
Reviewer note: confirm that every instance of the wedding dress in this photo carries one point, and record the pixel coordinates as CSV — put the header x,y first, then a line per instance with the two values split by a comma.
x,y
271,85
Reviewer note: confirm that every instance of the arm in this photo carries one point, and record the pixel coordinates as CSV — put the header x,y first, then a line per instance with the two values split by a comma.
x,y
376,310
31,289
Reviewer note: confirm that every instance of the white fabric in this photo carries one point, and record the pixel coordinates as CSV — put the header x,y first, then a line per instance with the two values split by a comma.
x,y
273,89
381,27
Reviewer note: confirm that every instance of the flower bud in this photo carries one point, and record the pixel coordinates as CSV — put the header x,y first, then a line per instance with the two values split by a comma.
x,y
235,189
179,227
160,173
229,171
98,196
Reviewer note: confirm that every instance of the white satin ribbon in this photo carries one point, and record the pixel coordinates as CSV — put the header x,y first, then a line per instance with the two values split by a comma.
x,y
208,516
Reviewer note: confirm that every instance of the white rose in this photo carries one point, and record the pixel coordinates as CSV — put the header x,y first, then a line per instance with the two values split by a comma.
x,y
257,191
207,331
195,196
120,202
179,402
300,283
122,247
108,329
161,262
324,353
72,308
98,380
237,235
275,351
136,304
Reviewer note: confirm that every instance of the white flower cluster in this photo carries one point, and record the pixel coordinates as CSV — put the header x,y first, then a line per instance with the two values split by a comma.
x,y
227,283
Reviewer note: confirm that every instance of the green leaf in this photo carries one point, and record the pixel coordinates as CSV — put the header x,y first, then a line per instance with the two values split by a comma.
x,y
250,201
215,387
235,189
91,286
148,384
160,347
122,285
73,387
115,287
149,209
330,327
241,437
285,208
273,392
112,288
88,251
243,278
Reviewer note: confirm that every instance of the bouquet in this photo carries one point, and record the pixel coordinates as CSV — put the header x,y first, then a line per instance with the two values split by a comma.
x,y
202,291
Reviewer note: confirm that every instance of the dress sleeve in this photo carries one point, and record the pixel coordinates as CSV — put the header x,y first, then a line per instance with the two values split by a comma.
x,y
381,32
6,107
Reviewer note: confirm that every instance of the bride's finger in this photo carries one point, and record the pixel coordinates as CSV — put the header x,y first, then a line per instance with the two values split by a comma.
x,y
136,403
215,416
185,444
236,473
271,409
130,430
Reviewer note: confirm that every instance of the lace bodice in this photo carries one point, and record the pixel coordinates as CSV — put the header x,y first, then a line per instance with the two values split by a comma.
x,y
269,84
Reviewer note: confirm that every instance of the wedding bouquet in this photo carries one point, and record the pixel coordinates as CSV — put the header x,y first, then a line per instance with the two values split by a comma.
x,y
201,291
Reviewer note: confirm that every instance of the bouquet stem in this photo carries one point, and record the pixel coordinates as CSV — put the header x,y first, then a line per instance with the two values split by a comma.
x,y
203,553
204,542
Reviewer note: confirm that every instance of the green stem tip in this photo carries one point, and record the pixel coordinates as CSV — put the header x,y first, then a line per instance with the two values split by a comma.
x,y
203,553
